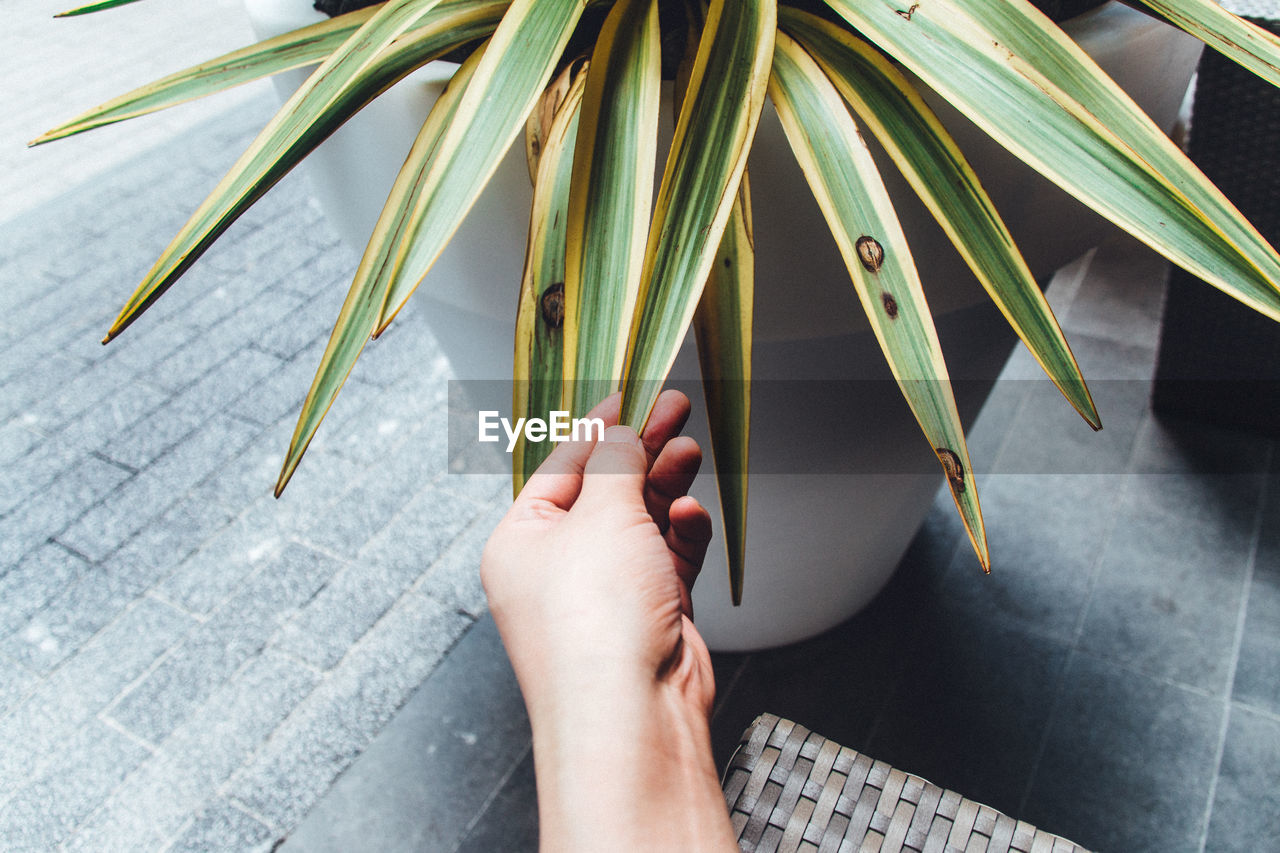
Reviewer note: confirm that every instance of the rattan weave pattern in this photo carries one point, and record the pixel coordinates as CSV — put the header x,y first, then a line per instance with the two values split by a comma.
x,y
789,789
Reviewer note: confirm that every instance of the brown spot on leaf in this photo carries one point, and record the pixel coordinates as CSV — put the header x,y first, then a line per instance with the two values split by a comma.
x,y
727,263
870,252
552,303
890,305
908,13
951,465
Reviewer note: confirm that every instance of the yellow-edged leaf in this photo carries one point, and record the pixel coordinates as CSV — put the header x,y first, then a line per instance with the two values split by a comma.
x,y
1019,78
610,200
708,154
93,7
722,328
359,312
1239,40
366,64
540,317
432,197
302,47
847,186
938,171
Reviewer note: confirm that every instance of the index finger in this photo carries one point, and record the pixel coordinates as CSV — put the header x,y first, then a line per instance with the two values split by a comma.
x,y
558,479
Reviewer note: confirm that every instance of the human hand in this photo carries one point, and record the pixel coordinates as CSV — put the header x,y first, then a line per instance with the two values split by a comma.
x,y
588,578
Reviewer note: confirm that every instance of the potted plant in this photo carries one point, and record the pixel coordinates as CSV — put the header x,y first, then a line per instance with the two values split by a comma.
x,y
613,280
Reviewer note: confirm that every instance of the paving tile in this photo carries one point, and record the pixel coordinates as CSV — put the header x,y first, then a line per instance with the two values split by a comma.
x,y
53,508
95,428
219,387
216,571
1122,297
794,681
145,497
455,576
33,733
149,438
222,826
77,612
232,634
362,591
161,546
1127,763
280,395
308,324
17,436
37,470
376,421
1257,678
1246,814
511,820
401,483
47,809
201,754
144,351
1170,586
432,769
32,583
971,708
1045,534
426,525
339,719
320,481
31,380
113,831
16,681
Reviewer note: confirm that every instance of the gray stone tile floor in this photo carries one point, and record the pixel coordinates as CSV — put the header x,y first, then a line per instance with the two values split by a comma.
x,y
188,664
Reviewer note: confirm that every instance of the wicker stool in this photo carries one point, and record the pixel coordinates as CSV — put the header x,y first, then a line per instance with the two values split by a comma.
x,y
790,789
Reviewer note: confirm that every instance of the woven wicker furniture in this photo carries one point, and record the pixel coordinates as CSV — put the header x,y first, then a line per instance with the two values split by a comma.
x,y
790,789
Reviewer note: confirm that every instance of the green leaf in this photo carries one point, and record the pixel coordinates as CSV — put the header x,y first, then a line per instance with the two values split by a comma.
x,y
844,180
610,200
302,47
362,68
93,7
540,317
433,195
359,313
937,170
708,154
1018,77
722,328
1232,36
448,166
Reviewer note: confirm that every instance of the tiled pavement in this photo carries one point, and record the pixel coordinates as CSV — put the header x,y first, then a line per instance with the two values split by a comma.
x,y
188,664
185,662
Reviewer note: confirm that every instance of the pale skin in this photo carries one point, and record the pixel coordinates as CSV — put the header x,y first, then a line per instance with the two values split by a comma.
x,y
588,578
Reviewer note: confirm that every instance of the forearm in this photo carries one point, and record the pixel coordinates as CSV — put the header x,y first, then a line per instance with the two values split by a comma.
x,y
627,769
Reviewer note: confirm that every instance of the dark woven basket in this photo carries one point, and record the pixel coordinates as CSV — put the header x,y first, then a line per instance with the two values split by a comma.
x,y
790,789
1219,361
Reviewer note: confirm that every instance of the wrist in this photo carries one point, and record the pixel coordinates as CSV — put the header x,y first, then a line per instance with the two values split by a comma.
x,y
628,768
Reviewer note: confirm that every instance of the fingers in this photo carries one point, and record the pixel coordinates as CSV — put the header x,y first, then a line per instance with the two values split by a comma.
x,y
559,478
670,411
616,470
687,539
671,476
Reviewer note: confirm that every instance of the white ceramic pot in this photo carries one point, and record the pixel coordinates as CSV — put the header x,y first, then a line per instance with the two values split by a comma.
x,y
840,483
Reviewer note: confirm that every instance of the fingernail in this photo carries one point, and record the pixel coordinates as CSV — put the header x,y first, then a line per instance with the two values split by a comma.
x,y
620,435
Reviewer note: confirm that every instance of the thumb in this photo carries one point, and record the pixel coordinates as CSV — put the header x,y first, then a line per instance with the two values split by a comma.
x,y
617,469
